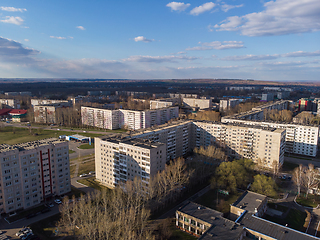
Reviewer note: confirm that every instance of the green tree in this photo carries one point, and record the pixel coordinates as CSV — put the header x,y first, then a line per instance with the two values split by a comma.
x,y
264,185
231,175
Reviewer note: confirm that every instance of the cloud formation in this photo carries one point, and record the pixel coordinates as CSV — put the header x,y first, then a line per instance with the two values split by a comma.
x,y
80,27
251,57
13,20
158,59
11,49
178,6
142,39
226,7
217,45
282,17
12,9
203,8
60,38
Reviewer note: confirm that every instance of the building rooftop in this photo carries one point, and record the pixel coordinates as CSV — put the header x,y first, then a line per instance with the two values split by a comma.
x,y
29,145
272,229
121,138
249,201
221,228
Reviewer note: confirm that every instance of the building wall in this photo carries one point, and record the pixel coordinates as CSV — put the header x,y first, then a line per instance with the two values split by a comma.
x,y
64,103
44,114
11,103
194,102
32,172
228,104
119,161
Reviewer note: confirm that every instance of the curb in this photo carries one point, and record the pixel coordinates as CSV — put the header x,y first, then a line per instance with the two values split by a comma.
x,y
81,184
304,206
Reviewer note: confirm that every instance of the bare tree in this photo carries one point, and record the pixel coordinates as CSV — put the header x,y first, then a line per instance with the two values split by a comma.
x,y
297,177
309,178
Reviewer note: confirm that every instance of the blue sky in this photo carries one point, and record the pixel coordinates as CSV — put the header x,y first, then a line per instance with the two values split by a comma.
x,y
156,39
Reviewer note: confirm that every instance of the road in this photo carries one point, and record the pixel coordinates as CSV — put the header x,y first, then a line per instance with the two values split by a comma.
x,y
315,161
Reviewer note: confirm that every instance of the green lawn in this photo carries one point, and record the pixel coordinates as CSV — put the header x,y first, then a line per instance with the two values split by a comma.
x,y
295,219
278,207
311,201
71,151
14,135
86,146
90,182
288,166
209,199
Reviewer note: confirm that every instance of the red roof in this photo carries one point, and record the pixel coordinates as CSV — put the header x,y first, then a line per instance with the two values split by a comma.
x,y
4,111
18,111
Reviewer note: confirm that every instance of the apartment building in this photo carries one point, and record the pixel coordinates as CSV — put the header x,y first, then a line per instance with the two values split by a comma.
x,y
226,104
156,104
198,103
119,159
45,113
264,145
130,119
9,103
32,172
63,103
246,221
300,139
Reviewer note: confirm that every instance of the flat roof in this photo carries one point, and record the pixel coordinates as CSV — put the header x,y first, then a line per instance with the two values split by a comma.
x,y
221,228
137,142
79,137
249,201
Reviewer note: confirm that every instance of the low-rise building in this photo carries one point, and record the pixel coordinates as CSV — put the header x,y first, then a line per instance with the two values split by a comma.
x,y
197,103
32,172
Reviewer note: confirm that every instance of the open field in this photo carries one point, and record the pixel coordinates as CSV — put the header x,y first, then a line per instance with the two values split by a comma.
x,y
13,135
86,146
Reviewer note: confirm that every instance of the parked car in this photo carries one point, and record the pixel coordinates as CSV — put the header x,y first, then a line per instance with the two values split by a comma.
x,y
51,204
92,173
57,201
83,175
26,236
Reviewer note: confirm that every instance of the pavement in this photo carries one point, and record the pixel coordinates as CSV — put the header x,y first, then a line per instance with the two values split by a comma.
x,y
314,161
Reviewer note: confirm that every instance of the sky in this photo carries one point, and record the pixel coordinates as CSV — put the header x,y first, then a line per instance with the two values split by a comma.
x,y
155,39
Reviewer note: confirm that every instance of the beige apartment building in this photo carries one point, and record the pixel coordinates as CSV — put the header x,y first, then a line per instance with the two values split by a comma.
x,y
33,172
9,103
119,159
129,119
197,103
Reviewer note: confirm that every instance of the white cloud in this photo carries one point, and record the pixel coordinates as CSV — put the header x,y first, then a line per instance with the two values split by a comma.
x,y
158,59
178,6
226,7
26,40
279,17
12,9
80,27
142,39
60,38
217,45
13,20
271,57
203,8
11,49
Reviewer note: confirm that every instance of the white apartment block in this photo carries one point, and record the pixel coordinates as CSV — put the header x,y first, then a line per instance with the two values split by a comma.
x,y
300,139
226,104
32,172
44,113
65,103
11,103
121,157
130,119
195,102
156,104
264,144
118,160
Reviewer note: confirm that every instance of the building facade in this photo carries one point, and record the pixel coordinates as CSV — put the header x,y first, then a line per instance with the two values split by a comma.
x,y
226,104
33,172
9,103
197,103
129,119
118,160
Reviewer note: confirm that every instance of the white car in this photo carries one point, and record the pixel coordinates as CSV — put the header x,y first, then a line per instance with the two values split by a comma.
x,y
57,201
83,175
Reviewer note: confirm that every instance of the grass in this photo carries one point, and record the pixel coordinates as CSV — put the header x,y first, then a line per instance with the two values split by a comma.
x,y
278,207
14,135
46,227
288,166
86,146
90,182
71,151
75,192
311,201
86,167
295,219
209,199
177,234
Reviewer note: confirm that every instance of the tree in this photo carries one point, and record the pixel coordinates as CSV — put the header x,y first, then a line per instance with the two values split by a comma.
x,y
264,185
211,152
231,175
309,178
297,177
